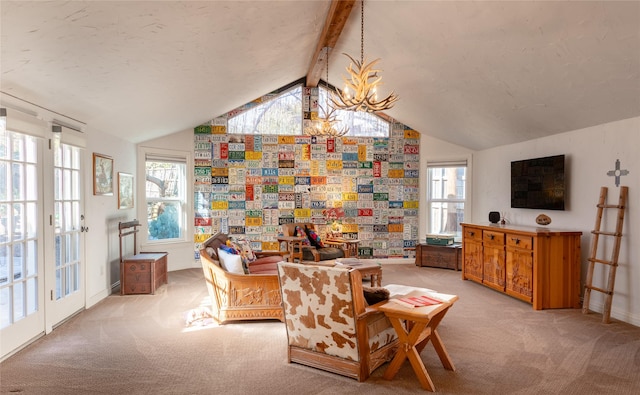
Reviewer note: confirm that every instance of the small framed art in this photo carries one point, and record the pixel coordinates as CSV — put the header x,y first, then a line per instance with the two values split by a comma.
x,y
125,191
102,174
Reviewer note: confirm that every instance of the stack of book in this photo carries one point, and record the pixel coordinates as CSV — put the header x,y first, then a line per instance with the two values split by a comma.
x,y
415,301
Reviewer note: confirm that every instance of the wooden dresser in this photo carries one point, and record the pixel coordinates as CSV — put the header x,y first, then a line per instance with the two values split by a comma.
x,y
540,266
448,257
143,273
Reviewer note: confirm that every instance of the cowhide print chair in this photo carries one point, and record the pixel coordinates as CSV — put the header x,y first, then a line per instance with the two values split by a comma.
x,y
329,325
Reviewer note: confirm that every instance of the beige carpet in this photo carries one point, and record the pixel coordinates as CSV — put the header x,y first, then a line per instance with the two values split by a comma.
x,y
143,345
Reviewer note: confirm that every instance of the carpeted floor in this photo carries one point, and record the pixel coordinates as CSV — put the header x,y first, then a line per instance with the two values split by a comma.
x,y
165,344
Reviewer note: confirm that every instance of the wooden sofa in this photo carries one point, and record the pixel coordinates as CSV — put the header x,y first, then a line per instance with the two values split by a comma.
x,y
236,297
311,253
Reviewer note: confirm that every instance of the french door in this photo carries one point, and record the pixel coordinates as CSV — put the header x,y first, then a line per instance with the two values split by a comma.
x,y
64,271
21,247
41,243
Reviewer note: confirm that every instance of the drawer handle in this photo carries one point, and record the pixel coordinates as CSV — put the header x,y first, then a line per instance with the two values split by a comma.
x,y
492,237
517,241
472,233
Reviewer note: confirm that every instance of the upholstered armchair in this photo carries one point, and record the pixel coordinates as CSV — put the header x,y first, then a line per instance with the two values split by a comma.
x,y
329,326
312,252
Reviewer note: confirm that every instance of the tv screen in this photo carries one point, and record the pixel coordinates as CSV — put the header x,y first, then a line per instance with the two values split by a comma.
x,y
538,183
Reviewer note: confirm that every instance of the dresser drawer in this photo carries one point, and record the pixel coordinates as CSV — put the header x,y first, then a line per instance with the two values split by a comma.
x,y
519,241
472,234
492,238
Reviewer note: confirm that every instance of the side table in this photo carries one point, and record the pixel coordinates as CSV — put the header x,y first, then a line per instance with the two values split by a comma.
x,y
371,269
294,247
421,326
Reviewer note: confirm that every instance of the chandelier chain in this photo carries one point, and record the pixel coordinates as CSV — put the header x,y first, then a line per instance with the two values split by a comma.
x,y
361,31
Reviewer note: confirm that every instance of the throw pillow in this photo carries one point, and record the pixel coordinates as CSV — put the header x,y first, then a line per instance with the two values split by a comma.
x,y
314,238
230,262
299,232
243,246
375,295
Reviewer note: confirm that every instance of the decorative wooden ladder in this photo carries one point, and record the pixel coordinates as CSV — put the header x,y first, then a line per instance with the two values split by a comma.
x,y
593,258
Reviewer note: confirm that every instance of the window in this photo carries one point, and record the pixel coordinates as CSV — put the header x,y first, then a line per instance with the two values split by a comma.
x,y
280,115
360,123
446,197
165,193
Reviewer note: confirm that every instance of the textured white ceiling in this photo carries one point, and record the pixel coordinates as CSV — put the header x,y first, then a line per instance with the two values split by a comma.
x,y
477,74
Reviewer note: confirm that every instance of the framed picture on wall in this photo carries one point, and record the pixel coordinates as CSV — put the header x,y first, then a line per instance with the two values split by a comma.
x,y
125,191
102,175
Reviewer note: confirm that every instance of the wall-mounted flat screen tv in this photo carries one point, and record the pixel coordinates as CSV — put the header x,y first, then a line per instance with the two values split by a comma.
x,y
538,183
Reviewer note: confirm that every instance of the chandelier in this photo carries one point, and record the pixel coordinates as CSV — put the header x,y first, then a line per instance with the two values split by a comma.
x,y
325,124
363,82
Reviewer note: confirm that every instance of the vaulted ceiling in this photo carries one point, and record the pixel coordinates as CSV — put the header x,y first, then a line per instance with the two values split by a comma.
x,y
476,74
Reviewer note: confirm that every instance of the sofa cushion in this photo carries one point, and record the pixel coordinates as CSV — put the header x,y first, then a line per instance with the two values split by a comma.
x,y
326,253
230,262
265,265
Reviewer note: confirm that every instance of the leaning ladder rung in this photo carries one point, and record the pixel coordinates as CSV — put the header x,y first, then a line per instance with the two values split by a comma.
x,y
600,261
604,291
597,232
618,206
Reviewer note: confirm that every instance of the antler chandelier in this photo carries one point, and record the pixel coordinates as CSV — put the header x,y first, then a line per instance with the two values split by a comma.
x,y
363,81
325,125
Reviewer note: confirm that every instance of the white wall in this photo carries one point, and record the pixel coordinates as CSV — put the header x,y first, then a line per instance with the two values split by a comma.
x,y
590,154
102,216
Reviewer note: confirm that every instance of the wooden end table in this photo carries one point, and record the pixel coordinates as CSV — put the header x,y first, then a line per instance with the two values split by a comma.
x,y
294,247
371,269
421,326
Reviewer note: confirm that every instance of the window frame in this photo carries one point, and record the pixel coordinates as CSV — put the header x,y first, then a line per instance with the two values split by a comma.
x,y
461,163
185,203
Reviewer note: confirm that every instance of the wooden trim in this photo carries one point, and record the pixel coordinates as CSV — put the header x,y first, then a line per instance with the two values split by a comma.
x,y
337,16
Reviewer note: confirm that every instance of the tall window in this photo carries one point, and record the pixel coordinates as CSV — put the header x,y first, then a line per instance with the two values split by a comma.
x,y
282,115
446,197
165,193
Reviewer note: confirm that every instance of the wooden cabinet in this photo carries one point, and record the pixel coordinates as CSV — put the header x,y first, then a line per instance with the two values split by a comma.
x,y
143,273
447,257
537,265
472,254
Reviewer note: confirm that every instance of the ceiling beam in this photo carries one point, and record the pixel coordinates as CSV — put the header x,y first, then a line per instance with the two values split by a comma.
x,y
337,16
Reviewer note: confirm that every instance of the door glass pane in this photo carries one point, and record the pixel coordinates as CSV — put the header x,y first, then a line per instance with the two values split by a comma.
x,y
16,185
32,295
18,261
32,190
18,301
5,306
5,176
5,259
31,258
